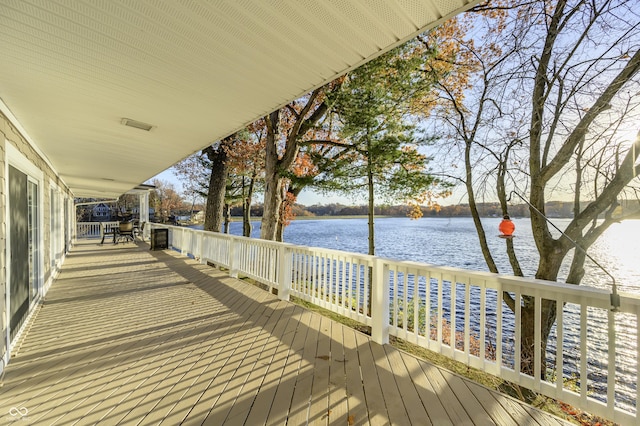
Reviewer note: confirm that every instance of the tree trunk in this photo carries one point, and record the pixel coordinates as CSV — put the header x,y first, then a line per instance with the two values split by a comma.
x,y
246,209
548,268
280,232
227,217
217,187
281,218
482,237
527,329
372,238
272,202
292,194
576,272
246,219
272,180
502,197
276,166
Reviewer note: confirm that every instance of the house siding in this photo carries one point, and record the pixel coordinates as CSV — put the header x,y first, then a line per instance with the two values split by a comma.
x,y
9,134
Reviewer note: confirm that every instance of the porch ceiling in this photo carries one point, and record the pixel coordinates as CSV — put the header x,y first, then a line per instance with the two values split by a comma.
x,y
196,71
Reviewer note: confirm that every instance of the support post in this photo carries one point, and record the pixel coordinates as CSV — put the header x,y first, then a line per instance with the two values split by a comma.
x,y
380,301
233,258
183,242
201,252
284,272
143,200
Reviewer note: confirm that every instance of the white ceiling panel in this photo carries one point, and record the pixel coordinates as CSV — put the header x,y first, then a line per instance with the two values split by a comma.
x,y
71,70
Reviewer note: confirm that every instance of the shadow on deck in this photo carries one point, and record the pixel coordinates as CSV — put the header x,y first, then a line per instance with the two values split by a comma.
x,y
132,336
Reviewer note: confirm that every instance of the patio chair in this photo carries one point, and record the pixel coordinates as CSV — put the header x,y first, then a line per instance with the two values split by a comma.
x,y
104,231
139,230
125,232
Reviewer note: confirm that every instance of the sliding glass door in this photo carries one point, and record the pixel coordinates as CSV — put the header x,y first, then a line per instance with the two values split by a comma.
x,y
19,294
24,247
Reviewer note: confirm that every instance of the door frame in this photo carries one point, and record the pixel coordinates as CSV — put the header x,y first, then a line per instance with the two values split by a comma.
x,y
13,157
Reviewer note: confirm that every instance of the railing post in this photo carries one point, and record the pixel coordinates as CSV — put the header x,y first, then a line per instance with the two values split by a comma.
x,y
183,237
201,246
380,301
284,272
233,260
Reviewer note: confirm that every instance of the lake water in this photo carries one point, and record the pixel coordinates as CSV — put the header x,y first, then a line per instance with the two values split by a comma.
x,y
438,241
453,242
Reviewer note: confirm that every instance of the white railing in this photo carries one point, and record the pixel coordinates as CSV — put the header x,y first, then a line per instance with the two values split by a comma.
x,y
592,354
92,229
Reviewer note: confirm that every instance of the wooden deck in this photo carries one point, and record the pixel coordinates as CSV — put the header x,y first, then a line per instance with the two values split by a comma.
x,y
132,336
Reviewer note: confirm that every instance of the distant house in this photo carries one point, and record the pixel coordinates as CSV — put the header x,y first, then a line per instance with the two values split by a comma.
x,y
101,213
136,213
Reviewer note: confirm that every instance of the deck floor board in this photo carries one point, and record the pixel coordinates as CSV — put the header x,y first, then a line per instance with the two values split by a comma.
x,y
132,336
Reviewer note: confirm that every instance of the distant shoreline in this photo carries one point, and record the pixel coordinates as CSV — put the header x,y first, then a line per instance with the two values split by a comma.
x,y
328,217
253,218
331,217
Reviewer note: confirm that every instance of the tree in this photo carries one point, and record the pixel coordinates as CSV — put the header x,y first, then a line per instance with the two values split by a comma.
x,y
246,162
233,165
308,125
164,199
215,206
286,128
125,205
302,174
553,91
193,172
380,139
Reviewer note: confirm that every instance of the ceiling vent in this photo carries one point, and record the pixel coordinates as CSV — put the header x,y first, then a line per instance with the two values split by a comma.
x,y
136,124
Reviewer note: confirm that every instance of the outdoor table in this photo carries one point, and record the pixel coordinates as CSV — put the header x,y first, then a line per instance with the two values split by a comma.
x,y
112,231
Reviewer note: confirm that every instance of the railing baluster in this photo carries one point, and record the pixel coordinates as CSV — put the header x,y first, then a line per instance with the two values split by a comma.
x,y
499,329
367,292
584,378
637,313
467,319
611,376
537,341
416,303
315,287
440,312
326,271
428,306
453,326
328,277
294,272
483,322
405,294
559,347
335,294
517,341
345,286
394,303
